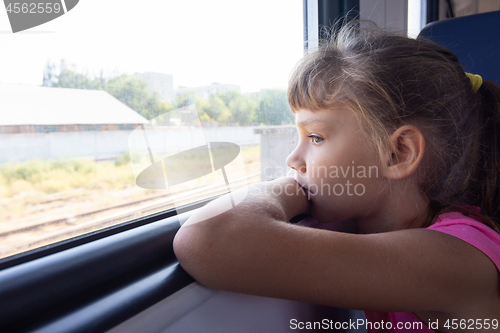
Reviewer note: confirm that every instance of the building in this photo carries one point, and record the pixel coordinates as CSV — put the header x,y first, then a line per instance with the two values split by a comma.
x,y
35,109
43,122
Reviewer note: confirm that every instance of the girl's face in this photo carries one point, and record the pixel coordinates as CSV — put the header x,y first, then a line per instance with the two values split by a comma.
x,y
336,164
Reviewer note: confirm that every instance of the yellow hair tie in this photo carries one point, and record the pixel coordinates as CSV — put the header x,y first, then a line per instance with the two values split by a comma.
x,y
475,80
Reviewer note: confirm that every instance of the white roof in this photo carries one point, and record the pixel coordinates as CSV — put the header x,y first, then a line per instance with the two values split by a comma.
x,y
36,105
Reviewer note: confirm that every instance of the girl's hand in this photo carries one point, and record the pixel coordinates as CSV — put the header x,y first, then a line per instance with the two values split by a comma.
x,y
250,249
280,200
294,199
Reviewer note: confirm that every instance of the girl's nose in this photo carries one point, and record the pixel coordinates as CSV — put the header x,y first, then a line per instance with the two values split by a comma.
x,y
295,161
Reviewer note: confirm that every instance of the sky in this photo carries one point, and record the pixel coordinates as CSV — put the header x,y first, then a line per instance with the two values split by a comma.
x,y
254,44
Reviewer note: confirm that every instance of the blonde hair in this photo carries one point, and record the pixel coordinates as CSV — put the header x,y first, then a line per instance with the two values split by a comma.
x,y
388,81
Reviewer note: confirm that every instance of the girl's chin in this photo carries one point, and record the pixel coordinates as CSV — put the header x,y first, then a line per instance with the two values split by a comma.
x,y
319,212
316,211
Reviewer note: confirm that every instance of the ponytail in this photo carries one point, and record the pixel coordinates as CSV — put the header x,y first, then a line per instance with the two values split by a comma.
x,y
485,187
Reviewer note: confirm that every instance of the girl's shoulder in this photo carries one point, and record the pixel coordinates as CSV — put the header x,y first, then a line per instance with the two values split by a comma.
x,y
470,229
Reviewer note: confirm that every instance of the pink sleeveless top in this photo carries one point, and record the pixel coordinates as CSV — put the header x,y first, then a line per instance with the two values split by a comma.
x,y
466,228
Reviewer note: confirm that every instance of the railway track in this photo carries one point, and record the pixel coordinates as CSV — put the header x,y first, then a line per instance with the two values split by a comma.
x,y
67,228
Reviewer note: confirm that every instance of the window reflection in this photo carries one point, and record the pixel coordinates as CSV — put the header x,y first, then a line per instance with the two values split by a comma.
x,y
70,110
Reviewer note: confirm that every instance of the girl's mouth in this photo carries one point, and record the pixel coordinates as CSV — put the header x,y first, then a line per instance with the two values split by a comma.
x,y
308,192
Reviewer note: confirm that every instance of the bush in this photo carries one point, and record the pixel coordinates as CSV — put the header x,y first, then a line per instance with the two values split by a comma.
x,y
123,159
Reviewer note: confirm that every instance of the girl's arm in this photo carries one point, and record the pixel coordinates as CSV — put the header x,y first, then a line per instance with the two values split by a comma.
x,y
251,249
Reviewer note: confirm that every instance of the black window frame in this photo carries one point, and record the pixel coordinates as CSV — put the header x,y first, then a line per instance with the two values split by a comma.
x,y
93,282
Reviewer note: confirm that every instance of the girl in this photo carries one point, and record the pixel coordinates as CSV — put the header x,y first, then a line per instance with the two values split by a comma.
x,y
396,137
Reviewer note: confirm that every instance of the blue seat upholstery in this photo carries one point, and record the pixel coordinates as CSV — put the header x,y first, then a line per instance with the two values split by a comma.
x,y
475,39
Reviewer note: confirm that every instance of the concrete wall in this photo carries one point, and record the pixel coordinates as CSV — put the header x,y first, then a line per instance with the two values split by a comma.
x,y
107,144
277,142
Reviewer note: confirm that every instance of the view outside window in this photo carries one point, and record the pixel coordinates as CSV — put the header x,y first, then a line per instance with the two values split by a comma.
x,y
120,109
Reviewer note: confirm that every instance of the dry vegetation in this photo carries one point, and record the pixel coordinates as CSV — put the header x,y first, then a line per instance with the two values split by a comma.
x,y
38,191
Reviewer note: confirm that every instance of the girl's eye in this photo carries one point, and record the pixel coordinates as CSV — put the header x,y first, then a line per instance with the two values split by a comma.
x,y
315,139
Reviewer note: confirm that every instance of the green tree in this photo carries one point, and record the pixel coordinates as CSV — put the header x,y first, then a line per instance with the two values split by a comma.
x,y
49,75
184,99
242,107
130,90
135,93
216,109
69,78
274,109
201,107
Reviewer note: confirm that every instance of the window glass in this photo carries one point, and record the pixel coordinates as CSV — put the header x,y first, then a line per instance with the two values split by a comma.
x,y
416,17
120,109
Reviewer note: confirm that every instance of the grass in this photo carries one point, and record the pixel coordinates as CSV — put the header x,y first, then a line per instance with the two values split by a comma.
x,y
55,176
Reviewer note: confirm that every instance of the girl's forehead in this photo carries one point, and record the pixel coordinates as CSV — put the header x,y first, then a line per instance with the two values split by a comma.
x,y
306,117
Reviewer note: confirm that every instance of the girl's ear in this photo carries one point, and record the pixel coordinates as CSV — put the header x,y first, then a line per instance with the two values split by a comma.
x,y
409,146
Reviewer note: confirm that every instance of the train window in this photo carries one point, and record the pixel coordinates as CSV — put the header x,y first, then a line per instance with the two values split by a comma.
x,y
416,17
121,109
